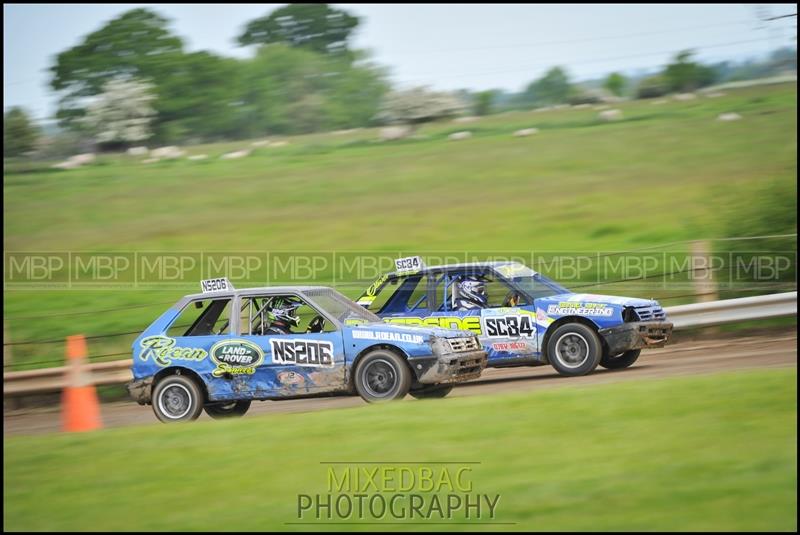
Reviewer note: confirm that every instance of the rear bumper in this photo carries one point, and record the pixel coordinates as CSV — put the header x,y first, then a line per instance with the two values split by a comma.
x,y
636,335
141,390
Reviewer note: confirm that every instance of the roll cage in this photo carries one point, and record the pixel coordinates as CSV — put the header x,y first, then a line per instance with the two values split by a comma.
x,y
438,295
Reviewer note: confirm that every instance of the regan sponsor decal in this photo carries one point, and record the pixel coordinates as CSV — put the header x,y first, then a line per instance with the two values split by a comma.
x,y
163,351
315,353
372,291
511,325
389,336
566,308
236,357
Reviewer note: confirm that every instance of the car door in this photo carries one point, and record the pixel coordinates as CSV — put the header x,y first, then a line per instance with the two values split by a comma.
x,y
190,341
297,363
506,328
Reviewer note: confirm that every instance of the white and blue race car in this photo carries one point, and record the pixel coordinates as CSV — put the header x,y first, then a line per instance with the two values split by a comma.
x,y
521,316
221,349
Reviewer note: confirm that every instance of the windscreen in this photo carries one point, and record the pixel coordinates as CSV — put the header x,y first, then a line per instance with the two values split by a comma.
x,y
538,286
339,306
534,284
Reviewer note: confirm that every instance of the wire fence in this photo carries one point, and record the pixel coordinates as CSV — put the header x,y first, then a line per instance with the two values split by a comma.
x,y
101,357
538,263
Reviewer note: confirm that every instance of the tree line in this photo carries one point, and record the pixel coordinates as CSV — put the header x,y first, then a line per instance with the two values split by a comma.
x,y
133,81
302,78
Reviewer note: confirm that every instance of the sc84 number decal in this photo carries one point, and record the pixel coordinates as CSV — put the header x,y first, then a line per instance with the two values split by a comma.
x,y
509,326
411,263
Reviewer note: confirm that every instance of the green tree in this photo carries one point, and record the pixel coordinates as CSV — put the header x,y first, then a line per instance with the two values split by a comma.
x,y
290,90
135,44
201,99
288,87
355,93
552,88
317,27
615,83
19,132
483,102
683,74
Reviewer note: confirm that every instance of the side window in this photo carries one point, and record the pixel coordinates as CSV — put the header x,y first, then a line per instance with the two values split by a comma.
x,y
258,316
501,294
498,293
202,318
253,314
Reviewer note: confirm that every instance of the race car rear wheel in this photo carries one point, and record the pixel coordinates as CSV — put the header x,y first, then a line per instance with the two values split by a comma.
x,y
432,392
618,362
574,349
177,398
233,409
382,375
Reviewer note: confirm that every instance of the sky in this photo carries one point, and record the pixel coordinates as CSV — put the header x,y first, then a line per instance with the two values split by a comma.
x,y
444,46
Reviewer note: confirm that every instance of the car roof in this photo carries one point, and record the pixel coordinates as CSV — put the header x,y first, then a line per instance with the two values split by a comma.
x,y
261,290
480,265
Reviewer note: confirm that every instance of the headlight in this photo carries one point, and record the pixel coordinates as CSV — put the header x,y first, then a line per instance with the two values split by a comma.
x,y
629,314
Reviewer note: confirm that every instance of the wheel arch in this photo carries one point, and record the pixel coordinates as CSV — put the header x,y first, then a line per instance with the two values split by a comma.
x,y
351,385
186,372
563,321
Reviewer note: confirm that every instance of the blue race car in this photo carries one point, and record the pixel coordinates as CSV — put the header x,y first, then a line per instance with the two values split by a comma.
x,y
221,349
521,317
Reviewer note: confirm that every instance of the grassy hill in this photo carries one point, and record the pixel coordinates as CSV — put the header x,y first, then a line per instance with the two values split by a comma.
x,y
665,173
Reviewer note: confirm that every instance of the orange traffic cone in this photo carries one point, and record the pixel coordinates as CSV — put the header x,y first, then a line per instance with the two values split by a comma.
x,y
81,411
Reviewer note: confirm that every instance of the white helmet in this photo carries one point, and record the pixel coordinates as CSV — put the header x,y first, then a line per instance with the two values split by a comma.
x,y
471,293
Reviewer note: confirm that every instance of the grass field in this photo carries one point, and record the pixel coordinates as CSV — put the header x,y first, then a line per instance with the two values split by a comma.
x,y
665,173
716,452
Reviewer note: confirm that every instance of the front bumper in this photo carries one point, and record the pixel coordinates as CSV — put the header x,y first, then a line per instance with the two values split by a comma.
x,y
141,390
447,366
636,335
450,368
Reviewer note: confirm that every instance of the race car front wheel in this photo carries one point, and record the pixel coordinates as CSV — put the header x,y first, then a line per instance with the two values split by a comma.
x,y
432,392
618,362
232,409
177,398
382,376
574,349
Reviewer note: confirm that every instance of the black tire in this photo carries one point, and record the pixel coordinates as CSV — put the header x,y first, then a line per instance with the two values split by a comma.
x,y
233,409
382,375
574,349
177,398
432,392
618,362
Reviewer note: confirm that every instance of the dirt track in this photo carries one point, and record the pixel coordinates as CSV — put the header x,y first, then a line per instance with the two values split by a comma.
x,y
684,358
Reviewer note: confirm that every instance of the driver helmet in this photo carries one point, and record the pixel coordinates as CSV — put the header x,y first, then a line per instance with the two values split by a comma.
x,y
471,293
283,312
